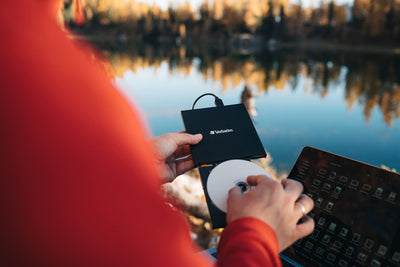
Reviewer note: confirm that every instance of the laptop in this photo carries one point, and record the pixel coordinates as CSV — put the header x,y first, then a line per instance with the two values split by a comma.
x,y
356,213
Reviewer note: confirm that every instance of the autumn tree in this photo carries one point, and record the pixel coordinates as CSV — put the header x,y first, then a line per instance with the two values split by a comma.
x,y
295,22
359,12
233,19
375,21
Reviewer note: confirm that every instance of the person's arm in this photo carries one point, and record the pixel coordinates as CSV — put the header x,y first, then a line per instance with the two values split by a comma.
x,y
248,242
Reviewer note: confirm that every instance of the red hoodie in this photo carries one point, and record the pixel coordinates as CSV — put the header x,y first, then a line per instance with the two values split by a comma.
x,y
77,183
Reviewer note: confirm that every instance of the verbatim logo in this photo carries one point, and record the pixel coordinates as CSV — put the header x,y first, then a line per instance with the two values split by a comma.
x,y
221,131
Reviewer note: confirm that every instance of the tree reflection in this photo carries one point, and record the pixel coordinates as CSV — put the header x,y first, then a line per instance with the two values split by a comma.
x,y
370,80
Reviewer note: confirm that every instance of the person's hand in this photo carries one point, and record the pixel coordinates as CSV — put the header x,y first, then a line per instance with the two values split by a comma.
x,y
277,204
173,154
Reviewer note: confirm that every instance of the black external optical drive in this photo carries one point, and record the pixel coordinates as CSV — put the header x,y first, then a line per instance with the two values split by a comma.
x,y
228,133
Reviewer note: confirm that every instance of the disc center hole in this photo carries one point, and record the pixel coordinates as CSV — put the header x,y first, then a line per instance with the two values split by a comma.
x,y
243,186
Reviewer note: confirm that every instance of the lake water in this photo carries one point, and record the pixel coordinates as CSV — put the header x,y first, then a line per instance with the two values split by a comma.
x,y
345,103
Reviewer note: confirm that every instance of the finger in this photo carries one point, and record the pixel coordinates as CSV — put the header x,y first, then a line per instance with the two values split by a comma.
x,y
304,228
294,188
254,180
304,202
182,151
291,184
184,165
186,139
182,142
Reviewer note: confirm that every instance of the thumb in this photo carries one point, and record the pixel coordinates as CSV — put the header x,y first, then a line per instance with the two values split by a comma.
x,y
305,228
234,195
187,139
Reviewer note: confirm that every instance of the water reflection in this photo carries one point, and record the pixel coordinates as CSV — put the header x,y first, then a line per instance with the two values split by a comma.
x,y
248,99
369,80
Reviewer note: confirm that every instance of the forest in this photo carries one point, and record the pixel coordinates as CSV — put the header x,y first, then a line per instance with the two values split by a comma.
x,y
221,21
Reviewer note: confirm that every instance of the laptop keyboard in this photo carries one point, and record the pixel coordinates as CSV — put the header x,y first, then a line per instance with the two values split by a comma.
x,y
333,244
356,213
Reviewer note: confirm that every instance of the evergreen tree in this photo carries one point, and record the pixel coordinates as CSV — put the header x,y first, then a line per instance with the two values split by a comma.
x,y
331,14
282,23
390,16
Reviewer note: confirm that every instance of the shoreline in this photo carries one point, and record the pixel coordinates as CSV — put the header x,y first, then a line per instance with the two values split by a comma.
x,y
251,47
342,47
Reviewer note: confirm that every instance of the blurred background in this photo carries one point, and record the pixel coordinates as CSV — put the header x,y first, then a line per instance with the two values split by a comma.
x,y
311,73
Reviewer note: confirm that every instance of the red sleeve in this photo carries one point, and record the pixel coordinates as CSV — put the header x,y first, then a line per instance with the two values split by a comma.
x,y
248,242
77,187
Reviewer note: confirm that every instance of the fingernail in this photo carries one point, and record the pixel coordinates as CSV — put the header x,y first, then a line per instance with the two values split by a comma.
x,y
198,135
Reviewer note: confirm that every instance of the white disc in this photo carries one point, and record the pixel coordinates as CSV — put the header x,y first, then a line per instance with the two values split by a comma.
x,y
227,175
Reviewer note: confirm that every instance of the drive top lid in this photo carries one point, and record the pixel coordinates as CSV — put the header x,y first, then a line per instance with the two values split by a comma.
x,y
228,133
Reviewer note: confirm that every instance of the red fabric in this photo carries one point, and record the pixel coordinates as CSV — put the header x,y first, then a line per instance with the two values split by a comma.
x,y
248,242
77,183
